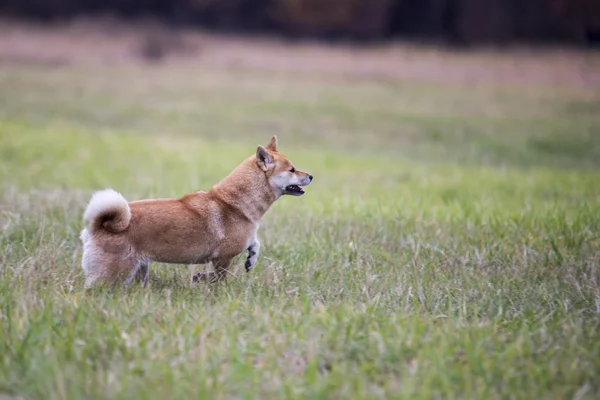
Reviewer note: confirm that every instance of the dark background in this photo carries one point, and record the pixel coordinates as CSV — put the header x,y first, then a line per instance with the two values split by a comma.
x,y
460,22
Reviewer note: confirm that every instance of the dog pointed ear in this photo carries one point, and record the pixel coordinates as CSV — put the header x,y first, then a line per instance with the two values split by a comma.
x,y
263,158
272,144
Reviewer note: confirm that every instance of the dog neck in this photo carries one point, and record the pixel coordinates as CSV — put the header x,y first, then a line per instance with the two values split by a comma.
x,y
247,189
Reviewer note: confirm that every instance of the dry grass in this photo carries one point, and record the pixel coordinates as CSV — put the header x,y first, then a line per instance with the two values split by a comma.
x,y
109,42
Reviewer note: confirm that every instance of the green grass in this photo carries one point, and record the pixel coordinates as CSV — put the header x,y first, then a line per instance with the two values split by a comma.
x,y
448,247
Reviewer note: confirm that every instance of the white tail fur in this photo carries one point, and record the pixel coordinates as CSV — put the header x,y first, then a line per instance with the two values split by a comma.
x,y
108,209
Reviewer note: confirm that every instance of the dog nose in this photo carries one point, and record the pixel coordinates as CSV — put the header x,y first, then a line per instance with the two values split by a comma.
x,y
310,177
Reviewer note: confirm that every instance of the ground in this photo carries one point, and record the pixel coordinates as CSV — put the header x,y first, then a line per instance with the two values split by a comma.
x,y
447,248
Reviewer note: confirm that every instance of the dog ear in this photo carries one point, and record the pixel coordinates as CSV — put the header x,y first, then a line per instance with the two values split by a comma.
x,y
272,144
263,158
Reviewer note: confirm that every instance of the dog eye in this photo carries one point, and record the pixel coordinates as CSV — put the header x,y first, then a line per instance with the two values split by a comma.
x,y
293,170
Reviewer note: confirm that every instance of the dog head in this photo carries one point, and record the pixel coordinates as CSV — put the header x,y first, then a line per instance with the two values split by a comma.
x,y
283,176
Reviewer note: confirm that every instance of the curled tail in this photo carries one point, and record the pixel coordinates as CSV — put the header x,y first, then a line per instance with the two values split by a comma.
x,y
108,210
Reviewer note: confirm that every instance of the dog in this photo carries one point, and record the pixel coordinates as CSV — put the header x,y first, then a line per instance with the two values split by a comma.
x,y
121,238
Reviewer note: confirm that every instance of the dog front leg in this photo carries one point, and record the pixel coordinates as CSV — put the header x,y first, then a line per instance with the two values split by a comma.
x,y
253,251
220,272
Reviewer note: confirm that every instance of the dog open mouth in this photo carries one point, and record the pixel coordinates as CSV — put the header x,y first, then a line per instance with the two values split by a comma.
x,y
294,190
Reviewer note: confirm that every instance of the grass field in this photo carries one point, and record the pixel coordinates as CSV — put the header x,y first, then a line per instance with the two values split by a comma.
x,y
449,246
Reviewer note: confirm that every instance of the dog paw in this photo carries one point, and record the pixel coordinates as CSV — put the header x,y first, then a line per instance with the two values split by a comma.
x,y
208,277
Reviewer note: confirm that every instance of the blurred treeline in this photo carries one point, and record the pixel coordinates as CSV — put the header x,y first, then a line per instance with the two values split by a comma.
x,y
457,21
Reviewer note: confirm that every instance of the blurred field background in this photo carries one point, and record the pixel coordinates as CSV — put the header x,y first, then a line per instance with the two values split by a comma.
x,y
448,248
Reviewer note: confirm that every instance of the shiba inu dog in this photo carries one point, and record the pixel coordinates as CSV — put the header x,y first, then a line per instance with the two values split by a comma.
x,y
122,238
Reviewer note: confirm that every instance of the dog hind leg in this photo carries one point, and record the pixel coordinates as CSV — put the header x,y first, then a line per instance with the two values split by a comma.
x,y
131,276
142,273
